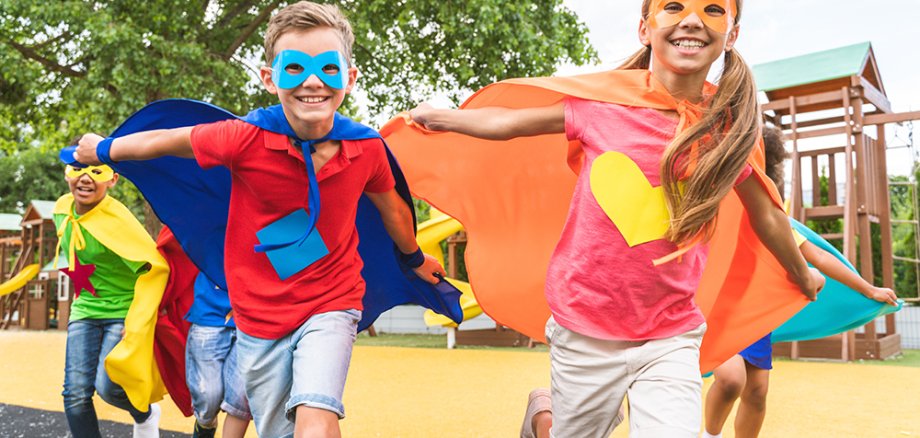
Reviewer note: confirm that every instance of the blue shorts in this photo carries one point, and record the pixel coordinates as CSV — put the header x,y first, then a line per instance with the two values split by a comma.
x,y
760,353
212,374
305,368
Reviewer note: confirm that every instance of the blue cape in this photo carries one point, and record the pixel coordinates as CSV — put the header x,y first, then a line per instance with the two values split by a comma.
x,y
837,309
194,203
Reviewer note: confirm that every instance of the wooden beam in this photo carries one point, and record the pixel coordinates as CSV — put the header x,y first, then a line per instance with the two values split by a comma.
x,y
874,96
884,193
822,132
881,119
795,203
817,122
849,213
802,101
823,151
815,182
824,212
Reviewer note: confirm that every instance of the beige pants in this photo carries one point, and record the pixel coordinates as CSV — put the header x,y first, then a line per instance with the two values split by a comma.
x,y
590,378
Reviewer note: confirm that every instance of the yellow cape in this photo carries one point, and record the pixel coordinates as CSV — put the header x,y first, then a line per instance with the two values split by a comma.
x,y
131,363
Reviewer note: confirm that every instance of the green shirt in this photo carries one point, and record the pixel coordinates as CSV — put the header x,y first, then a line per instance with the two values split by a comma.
x,y
113,279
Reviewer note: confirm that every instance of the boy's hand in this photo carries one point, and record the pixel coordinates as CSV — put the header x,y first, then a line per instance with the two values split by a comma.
x,y
883,295
812,284
429,268
423,115
86,150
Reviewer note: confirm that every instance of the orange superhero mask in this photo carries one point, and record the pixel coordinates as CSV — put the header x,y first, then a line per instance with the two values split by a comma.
x,y
513,199
718,15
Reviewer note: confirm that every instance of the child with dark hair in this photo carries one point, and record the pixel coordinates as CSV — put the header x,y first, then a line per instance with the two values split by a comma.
x,y
117,275
747,375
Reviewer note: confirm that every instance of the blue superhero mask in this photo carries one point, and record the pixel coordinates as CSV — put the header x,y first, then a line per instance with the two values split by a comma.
x,y
291,68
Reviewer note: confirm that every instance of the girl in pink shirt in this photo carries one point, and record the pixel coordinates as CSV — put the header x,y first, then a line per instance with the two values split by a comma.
x,y
622,321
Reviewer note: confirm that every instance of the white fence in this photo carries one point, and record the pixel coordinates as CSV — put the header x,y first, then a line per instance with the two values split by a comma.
x,y
408,319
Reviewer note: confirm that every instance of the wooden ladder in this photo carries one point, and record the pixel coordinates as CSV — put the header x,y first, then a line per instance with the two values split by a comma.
x,y
12,301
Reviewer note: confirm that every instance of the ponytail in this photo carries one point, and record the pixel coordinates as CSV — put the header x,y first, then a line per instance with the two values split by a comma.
x,y
640,60
726,134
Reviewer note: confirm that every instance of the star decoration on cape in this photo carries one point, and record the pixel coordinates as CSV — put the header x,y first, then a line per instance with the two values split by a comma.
x,y
80,277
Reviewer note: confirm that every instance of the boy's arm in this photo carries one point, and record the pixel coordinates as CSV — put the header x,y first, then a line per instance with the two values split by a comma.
x,y
397,219
493,123
140,146
833,268
773,229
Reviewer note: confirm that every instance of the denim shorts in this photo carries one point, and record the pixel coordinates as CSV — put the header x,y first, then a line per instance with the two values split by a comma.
x,y
213,375
305,368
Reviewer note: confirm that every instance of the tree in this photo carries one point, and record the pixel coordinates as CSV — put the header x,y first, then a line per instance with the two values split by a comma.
x,y
86,65
903,236
29,174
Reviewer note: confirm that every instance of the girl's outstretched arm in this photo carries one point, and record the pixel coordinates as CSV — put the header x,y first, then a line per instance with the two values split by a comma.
x,y
493,123
830,266
772,227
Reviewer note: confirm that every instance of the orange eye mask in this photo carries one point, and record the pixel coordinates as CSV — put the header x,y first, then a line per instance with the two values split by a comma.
x,y
718,15
97,173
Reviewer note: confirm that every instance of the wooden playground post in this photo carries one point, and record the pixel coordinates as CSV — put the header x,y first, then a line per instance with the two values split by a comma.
x,y
801,92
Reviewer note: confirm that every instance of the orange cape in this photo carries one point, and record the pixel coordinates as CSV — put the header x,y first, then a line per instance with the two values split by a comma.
x,y
513,196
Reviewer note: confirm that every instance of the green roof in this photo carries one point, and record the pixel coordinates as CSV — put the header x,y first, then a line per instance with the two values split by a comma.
x,y
812,68
45,209
10,222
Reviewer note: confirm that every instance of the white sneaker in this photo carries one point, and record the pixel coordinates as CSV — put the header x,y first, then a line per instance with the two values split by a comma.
x,y
150,428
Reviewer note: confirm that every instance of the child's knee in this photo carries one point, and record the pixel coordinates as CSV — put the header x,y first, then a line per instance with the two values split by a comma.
x,y
108,391
77,395
730,386
756,394
206,398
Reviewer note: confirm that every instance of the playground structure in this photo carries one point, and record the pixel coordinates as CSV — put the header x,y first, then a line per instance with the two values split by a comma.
x,y
838,95
430,235
28,273
10,242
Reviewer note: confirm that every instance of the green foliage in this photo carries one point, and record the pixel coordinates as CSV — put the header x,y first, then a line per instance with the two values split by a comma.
x,y
826,226
430,46
76,66
29,174
903,237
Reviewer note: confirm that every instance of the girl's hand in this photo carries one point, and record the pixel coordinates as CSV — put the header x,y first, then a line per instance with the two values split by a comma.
x,y
86,150
812,284
428,270
883,295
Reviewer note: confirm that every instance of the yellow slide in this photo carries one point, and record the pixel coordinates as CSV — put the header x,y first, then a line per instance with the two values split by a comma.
x,y
430,235
19,280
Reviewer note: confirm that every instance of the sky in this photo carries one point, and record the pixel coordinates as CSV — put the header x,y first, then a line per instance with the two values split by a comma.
x,y
772,30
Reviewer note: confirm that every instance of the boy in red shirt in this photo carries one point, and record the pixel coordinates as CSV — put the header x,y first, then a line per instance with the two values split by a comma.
x,y
296,315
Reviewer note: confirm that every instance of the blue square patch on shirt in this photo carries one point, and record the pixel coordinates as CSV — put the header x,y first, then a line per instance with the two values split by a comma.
x,y
294,258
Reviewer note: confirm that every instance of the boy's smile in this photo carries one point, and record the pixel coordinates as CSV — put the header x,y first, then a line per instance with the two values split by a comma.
x,y
311,105
88,193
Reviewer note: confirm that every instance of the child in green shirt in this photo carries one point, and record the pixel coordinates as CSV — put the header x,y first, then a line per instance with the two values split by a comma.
x,y
105,283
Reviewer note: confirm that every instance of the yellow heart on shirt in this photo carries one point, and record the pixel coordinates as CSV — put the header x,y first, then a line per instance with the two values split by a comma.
x,y
637,209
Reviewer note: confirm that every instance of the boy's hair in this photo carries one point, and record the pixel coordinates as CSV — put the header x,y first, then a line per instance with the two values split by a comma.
x,y
775,150
303,16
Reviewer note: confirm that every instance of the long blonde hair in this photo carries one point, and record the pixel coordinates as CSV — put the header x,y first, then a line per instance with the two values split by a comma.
x,y
727,133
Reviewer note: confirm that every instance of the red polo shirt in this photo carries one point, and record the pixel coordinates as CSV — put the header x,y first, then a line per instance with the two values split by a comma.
x,y
269,181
